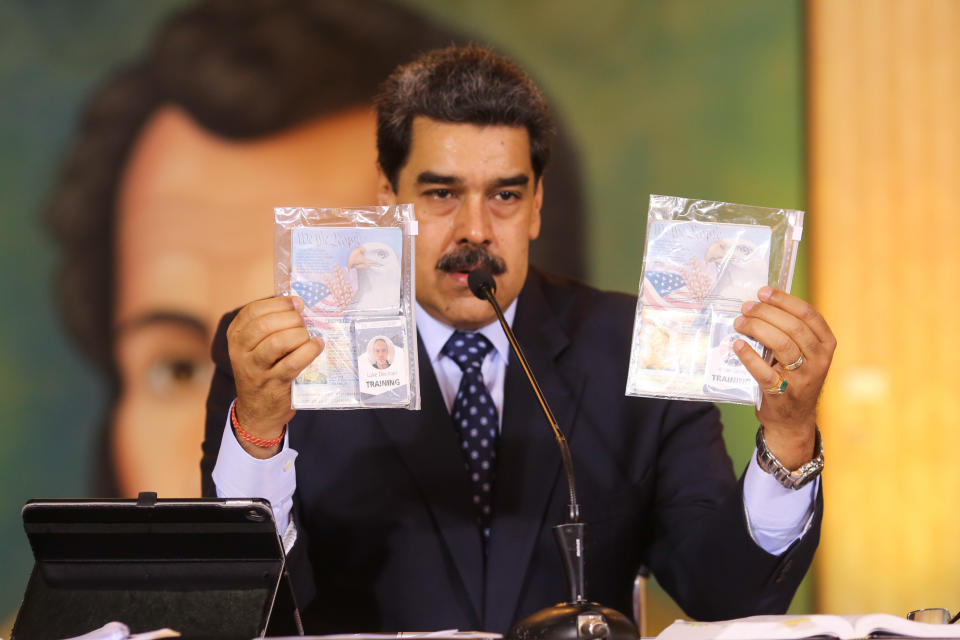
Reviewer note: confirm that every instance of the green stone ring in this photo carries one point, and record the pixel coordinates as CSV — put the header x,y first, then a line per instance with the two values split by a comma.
x,y
777,389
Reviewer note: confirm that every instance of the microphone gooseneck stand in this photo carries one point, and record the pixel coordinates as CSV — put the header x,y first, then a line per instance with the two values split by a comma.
x,y
577,619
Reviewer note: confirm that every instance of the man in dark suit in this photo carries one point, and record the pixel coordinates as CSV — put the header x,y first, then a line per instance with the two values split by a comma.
x,y
442,518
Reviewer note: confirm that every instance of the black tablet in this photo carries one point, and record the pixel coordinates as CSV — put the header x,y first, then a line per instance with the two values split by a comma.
x,y
208,568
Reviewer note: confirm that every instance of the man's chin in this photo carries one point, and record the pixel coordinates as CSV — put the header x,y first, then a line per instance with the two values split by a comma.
x,y
472,314
462,311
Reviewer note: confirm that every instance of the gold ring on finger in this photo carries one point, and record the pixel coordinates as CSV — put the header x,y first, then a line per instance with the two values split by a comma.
x,y
793,365
778,388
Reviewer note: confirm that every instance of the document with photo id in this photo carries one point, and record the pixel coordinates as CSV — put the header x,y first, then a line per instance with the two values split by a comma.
x,y
702,260
354,270
696,276
382,367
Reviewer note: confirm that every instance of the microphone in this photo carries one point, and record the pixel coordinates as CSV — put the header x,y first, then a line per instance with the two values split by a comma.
x,y
577,619
483,286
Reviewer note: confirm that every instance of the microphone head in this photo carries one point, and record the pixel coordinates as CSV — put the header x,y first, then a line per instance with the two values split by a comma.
x,y
480,279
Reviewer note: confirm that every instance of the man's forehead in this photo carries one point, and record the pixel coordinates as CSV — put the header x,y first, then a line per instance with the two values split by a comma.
x,y
424,125
445,151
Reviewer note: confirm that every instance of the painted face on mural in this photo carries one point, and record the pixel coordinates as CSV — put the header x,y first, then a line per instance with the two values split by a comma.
x,y
194,240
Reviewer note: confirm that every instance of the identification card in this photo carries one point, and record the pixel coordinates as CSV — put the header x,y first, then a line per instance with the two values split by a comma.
x,y
696,277
382,365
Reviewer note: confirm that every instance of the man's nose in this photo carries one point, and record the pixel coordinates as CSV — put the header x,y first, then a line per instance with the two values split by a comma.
x,y
473,221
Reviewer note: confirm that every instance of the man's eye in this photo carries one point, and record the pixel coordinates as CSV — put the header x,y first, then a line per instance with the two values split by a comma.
x,y
507,195
440,194
178,375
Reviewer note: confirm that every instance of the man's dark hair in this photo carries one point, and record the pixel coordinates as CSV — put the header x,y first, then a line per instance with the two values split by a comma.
x,y
471,85
242,70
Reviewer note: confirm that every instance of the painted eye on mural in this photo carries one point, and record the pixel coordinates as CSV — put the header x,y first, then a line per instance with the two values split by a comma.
x,y
178,375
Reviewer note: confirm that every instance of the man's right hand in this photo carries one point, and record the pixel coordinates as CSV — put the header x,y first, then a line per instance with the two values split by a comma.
x,y
269,346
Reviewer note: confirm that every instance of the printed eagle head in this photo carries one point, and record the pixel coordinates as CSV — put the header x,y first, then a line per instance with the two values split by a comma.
x,y
741,267
378,274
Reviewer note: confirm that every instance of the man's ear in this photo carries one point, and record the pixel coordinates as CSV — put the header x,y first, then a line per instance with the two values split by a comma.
x,y
385,193
535,214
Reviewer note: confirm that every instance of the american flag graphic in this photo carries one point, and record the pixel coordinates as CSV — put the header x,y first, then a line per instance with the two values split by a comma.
x,y
667,289
313,293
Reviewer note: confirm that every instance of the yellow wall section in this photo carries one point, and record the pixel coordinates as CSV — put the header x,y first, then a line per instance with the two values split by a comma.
x,y
884,234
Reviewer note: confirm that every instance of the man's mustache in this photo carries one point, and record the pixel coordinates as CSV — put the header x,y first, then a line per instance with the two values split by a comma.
x,y
469,257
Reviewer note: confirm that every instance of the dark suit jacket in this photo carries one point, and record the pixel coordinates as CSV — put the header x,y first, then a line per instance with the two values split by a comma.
x,y
387,533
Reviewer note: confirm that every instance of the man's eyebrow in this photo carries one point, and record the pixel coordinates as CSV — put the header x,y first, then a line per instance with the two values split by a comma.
x,y
518,180
429,177
164,317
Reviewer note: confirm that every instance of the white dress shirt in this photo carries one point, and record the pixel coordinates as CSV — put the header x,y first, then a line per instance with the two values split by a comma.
x,y
776,516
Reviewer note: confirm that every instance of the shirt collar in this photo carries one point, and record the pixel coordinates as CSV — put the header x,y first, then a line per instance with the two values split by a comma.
x,y
434,334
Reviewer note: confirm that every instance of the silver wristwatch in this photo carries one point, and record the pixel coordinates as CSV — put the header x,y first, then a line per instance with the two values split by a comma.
x,y
790,479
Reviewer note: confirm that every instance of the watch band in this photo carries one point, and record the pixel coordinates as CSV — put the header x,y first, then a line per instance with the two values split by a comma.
x,y
789,479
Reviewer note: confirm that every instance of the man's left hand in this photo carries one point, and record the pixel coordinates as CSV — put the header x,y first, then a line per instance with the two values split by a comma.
x,y
803,346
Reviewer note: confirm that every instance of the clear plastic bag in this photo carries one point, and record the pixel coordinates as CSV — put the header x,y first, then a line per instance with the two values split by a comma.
x,y
354,271
702,261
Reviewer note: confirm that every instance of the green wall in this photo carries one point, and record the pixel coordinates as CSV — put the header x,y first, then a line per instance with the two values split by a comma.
x,y
688,97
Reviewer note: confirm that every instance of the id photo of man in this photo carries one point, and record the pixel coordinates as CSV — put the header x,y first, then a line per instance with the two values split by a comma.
x,y
379,351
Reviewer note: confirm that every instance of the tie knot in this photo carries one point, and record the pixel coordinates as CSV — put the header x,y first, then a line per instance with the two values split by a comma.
x,y
467,349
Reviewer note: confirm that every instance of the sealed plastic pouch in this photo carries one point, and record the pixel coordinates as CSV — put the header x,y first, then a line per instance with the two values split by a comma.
x,y
354,270
702,261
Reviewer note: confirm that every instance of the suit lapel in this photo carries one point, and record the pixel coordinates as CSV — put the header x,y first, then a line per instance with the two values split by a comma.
x,y
528,458
430,449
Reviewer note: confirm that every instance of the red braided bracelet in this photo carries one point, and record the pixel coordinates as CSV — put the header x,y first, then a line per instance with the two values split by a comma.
x,y
260,442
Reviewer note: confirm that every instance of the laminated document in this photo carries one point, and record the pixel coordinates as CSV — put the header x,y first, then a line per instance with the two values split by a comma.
x,y
354,271
702,261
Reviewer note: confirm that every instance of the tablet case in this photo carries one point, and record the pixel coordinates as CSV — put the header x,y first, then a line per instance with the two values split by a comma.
x,y
208,568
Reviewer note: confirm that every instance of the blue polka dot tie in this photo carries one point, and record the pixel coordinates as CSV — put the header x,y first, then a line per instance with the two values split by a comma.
x,y
475,418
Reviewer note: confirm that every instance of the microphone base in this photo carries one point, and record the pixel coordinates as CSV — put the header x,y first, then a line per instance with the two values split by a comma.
x,y
574,621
